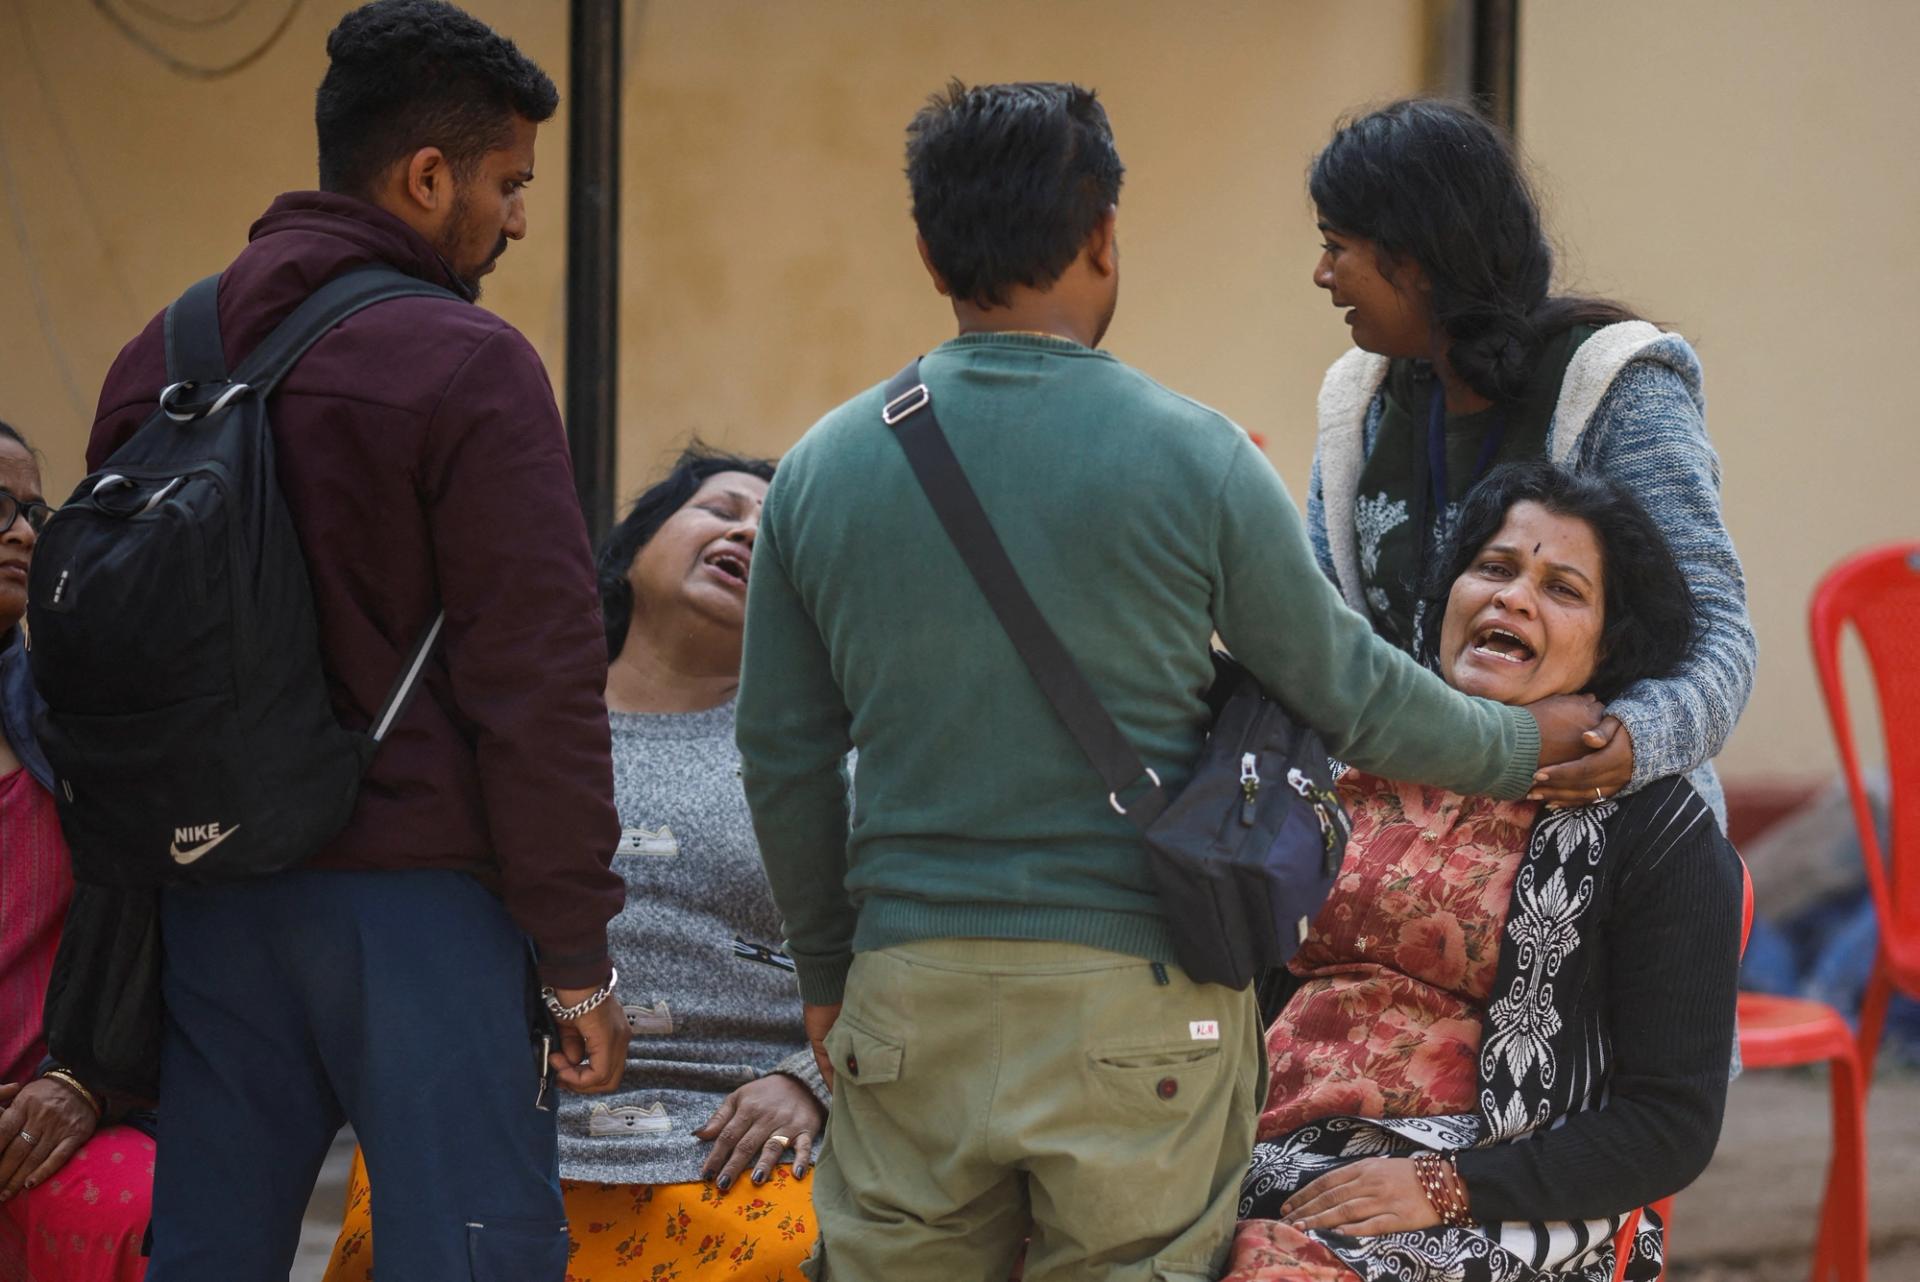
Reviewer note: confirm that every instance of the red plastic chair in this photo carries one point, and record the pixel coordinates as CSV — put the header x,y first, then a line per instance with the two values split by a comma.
x,y
1878,592
1778,1032
1630,1228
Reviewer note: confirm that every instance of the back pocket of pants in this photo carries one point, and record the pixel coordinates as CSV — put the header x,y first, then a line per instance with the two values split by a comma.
x,y
1163,1080
861,1058
517,1250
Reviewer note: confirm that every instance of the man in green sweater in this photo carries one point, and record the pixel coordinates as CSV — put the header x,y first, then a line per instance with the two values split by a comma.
x,y
990,984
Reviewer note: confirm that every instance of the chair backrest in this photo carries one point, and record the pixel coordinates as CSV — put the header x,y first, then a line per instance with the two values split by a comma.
x,y
1746,907
1877,592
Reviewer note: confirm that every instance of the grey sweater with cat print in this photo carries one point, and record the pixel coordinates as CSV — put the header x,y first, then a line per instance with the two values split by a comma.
x,y
706,1018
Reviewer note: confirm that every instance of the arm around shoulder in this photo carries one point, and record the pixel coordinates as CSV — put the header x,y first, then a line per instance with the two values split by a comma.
x,y
1650,435
1376,707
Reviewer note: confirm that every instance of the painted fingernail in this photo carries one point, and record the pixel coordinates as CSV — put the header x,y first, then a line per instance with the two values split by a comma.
x,y
799,1171
724,1183
759,1177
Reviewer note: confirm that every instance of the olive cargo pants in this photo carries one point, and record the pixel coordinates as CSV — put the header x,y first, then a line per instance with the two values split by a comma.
x,y
990,1092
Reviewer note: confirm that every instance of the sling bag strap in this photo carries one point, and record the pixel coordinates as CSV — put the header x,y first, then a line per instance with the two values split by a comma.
x,y
196,357
909,412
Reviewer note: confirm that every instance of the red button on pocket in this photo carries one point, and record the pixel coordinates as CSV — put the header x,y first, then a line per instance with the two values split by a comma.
x,y
853,1065
1167,1089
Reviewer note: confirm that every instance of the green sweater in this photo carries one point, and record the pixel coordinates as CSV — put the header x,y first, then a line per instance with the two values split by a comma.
x,y
1142,522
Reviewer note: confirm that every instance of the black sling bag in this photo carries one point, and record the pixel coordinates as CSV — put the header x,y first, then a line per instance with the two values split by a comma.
x,y
1244,856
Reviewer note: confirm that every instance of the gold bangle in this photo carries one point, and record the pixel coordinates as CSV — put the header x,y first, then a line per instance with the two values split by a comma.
x,y
66,1078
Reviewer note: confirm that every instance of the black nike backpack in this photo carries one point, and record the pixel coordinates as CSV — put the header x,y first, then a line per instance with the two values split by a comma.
x,y
173,630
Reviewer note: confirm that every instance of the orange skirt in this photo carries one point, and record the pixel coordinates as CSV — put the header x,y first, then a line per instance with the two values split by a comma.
x,y
688,1232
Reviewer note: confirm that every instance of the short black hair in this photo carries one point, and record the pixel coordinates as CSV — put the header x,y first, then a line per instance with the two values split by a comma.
x,y
1650,623
1008,182
407,74
643,520
1435,182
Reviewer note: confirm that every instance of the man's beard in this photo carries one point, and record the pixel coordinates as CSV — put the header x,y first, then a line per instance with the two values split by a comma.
x,y
453,237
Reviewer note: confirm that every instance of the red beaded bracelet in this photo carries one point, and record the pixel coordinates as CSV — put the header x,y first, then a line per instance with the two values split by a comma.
x,y
1440,1180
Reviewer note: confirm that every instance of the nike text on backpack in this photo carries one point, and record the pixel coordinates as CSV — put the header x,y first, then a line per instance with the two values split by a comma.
x,y
1244,856
174,639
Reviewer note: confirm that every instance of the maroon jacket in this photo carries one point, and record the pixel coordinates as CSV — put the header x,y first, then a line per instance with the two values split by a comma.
x,y
423,460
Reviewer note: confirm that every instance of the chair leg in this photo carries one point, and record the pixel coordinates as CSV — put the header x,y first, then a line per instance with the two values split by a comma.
x,y
1873,1018
1840,1255
1623,1245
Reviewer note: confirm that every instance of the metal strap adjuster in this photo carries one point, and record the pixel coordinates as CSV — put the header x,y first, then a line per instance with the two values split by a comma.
x,y
1113,798
191,413
911,401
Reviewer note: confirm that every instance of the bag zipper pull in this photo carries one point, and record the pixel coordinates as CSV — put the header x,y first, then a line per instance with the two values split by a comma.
x,y
1249,786
1326,808
1160,974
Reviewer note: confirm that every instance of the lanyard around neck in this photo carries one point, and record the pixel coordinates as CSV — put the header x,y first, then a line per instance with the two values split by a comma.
x,y
1437,446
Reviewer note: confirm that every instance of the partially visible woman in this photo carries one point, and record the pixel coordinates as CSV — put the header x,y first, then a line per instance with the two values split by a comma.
x,y
1509,1025
1464,359
694,1168
76,1185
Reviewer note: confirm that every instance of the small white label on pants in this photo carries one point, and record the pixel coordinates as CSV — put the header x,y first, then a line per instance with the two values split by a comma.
x,y
1204,1030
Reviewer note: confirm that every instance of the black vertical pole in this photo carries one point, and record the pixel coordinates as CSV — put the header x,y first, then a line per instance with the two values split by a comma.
x,y
1496,59
593,254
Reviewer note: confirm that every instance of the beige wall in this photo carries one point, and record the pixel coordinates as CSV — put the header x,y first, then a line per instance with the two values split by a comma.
x,y
1736,169
1742,171
769,267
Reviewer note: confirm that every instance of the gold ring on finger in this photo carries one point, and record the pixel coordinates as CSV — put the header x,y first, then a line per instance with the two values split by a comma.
x,y
781,1140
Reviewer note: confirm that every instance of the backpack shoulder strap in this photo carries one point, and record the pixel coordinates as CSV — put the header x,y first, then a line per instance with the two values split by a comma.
x,y
268,363
192,326
325,308
908,410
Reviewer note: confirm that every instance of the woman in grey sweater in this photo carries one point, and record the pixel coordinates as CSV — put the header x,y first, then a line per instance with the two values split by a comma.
x,y
694,1167
1462,360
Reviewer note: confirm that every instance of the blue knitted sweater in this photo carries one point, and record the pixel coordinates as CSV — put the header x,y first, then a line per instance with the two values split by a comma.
x,y
1631,408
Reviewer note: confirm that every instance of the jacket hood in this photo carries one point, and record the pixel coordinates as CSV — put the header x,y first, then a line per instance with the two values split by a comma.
x,y
328,233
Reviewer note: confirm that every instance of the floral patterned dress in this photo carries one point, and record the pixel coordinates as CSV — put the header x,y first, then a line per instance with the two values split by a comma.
x,y
1395,974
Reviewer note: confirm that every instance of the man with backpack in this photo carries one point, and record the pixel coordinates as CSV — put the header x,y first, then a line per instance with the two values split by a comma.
x,y
991,981
386,980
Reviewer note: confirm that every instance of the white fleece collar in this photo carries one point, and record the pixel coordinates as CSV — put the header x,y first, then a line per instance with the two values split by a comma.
x,y
1354,380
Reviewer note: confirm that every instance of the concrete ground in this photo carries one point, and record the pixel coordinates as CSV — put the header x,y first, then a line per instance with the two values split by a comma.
x,y
1750,1218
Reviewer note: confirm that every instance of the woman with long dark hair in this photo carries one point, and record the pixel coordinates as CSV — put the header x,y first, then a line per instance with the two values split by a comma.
x,y
1464,358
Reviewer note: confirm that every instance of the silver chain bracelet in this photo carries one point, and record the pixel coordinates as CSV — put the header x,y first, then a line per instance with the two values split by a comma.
x,y
568,1014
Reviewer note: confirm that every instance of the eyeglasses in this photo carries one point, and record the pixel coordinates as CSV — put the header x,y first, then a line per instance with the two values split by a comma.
x,y
12,508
